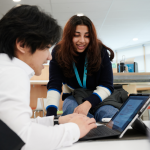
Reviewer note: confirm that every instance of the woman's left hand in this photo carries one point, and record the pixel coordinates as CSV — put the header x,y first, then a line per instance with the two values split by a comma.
x,y
83,108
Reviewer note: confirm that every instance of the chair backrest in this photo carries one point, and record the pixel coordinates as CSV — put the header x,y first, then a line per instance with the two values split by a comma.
x,y
41,104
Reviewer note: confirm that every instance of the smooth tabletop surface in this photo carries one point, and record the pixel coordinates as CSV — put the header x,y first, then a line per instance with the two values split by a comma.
x,y
143,144
126,143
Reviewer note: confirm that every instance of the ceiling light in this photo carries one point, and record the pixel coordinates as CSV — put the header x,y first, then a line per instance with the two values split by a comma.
x,y
135,39
80,14
16,0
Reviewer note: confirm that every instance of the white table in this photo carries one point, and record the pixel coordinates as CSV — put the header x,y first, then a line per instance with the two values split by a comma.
x,y
111,145
115,144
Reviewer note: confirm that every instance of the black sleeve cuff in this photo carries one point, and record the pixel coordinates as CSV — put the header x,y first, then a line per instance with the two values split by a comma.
x,y
93,99
51,111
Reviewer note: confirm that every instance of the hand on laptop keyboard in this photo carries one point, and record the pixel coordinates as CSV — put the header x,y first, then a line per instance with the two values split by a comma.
x,y
84,123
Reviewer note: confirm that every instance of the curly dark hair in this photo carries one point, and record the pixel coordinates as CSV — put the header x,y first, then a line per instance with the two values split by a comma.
x,y
66,51
29,25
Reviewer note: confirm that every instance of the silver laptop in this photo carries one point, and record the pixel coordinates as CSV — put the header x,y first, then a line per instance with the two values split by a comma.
x,y
131,110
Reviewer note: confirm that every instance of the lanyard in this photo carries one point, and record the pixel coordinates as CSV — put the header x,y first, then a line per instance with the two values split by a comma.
x,y
84,74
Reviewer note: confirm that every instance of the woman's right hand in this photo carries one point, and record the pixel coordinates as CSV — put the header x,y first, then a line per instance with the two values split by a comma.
x,y
83,108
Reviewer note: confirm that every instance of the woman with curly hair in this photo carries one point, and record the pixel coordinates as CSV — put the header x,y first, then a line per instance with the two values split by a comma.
x,y
81,62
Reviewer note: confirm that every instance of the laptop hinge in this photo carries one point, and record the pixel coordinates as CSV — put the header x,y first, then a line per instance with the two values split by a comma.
x,y
140,126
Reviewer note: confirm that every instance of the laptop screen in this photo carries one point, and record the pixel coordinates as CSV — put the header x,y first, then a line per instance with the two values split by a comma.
x,y
127,112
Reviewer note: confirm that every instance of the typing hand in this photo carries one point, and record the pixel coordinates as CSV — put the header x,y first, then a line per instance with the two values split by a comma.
x,y
84,123
83,108
66,119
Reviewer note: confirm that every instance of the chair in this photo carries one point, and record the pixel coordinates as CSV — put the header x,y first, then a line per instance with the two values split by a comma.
x,y
41,106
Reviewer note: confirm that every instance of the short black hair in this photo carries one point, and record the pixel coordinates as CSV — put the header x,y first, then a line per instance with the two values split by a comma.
x,y
28,24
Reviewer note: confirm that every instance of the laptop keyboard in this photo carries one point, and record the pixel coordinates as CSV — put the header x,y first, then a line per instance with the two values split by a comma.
x,y
100,131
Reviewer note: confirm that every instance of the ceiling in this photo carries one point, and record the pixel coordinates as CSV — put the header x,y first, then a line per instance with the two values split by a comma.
x,y
117,21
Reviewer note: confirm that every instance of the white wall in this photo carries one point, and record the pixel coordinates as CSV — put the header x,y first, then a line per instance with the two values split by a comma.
x,y
137,53
147,56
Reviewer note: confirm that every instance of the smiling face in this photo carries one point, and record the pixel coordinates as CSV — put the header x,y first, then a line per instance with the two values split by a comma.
x,y
35,60
81,38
